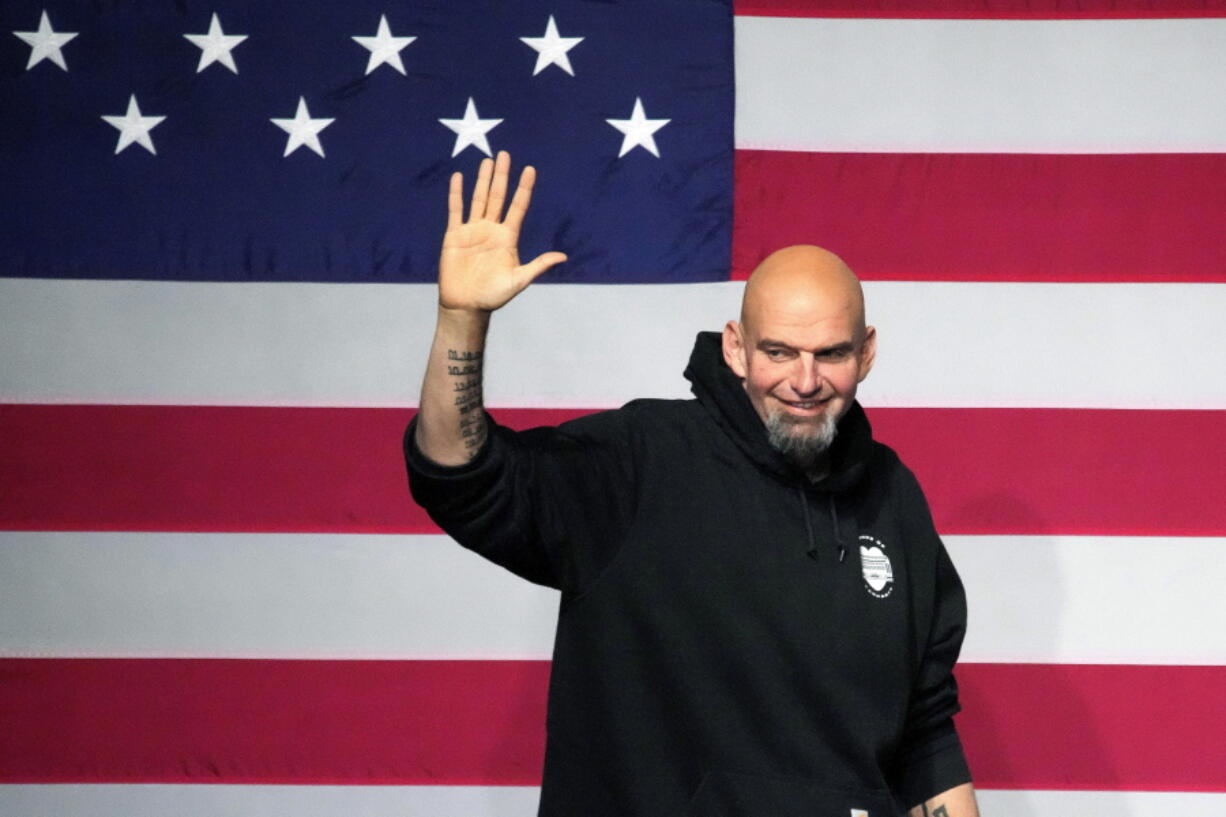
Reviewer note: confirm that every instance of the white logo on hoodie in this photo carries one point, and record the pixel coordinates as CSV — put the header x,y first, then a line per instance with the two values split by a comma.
x,y
875,564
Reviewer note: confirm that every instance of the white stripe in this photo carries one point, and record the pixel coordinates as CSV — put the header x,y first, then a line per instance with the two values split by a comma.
x,y
1093,599
941,344
264,596
1058,345
1009,86
1032,598
221,800
998,803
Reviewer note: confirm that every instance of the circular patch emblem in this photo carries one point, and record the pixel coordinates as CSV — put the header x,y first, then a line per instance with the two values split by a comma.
x,y
875,564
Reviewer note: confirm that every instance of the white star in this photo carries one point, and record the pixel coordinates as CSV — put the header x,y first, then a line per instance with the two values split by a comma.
x,y
45,43
133,127
302,130
383,47
470,130
215,46
551,49
638,130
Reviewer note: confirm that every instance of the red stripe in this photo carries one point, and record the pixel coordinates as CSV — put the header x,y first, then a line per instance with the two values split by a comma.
x,y
1044,726
1065,471
988,217
983,9
228,469
210,468
481,722
264,721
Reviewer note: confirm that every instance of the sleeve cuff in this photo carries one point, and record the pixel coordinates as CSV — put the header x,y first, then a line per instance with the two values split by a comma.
x,y
937,765
419,463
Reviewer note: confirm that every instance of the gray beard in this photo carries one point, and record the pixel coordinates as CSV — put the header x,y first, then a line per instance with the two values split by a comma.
x,y
805,449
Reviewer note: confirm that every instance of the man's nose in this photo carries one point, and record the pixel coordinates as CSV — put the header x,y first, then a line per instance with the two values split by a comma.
x,y
806,380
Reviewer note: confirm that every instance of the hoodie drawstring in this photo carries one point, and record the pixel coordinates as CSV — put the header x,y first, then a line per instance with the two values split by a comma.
x,y
834,517
804,507
838,533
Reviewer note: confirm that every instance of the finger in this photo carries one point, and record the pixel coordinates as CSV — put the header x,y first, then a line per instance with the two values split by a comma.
x,y
481,191
498,189
523,197
529,272
455,201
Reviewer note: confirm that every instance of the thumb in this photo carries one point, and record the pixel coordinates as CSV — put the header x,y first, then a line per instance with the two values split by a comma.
x,y
528,272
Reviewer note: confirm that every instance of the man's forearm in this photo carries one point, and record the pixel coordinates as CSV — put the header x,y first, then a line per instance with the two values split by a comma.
x,y
451,426
956,802
478,273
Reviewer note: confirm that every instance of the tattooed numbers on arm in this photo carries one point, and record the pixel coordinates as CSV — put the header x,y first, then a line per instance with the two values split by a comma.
x,y
467,387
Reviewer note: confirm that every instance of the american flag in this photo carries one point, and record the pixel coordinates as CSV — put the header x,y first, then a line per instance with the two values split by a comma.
x,y
216,309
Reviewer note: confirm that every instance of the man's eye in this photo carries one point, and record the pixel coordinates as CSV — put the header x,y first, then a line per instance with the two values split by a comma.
x,y
776,354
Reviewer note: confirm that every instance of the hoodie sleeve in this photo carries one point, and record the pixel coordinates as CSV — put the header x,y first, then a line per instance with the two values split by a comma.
x,y
930,759
549,504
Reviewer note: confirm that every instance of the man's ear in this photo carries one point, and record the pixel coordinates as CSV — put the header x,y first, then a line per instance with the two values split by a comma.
x,y
868,352
735,354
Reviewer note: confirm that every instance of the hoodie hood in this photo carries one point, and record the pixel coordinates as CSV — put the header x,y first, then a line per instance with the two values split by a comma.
x,y
722,394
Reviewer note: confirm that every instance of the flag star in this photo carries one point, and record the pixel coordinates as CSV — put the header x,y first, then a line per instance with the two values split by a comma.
x,y
45,43
551,48
133,127
215,46
302,130
471,130
638,130
383,47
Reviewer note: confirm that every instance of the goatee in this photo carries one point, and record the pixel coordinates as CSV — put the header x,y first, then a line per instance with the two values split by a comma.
x,y
802,443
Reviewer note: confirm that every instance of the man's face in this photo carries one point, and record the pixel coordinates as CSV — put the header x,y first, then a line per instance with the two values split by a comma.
x,y
801,360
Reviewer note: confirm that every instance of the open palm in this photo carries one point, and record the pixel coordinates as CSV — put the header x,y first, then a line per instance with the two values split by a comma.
x,y
479,268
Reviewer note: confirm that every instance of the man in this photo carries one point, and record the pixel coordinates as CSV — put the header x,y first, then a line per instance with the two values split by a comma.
x,y
757,617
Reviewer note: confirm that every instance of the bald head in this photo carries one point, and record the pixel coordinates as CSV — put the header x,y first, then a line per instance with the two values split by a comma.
x,y
802,279
801,347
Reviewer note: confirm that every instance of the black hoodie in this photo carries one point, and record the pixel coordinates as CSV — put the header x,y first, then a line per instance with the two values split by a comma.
x,y
732,639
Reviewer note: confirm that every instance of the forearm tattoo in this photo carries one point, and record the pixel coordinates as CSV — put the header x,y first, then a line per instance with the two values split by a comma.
x,y
465,367
939,811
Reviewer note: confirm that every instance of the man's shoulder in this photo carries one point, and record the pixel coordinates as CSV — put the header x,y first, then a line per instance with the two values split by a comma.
x,y
640,425
884,458
886,472
646,411
896,485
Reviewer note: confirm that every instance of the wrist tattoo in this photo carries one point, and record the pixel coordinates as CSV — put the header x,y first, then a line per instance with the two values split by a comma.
x,y
466,369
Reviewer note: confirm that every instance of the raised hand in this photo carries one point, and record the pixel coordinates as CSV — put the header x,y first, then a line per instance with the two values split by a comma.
x,y
479,267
